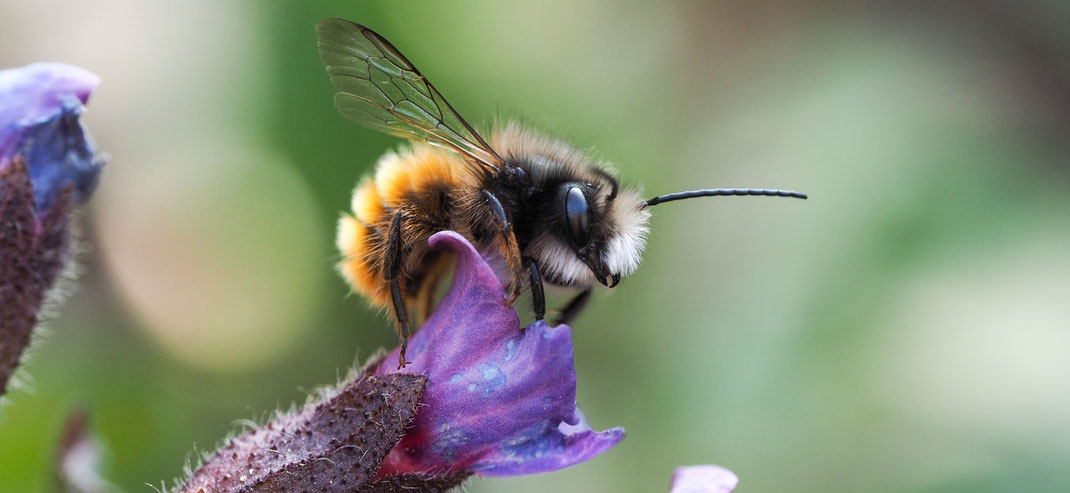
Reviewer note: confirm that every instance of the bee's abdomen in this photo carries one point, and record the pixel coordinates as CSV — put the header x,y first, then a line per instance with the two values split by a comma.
x,y
361,248
422,183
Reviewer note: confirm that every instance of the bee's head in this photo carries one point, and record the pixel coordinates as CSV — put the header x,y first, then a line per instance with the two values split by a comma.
x,y
583,226
591,232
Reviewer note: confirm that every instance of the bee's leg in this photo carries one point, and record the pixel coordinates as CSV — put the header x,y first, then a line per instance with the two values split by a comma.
x,y
574,307
538,297
511,249
391,269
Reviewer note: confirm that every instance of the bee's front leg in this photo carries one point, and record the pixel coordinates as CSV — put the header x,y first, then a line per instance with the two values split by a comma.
x,y
510,249
391,269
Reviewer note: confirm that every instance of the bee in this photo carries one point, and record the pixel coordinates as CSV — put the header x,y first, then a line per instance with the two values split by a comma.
x,y
550,212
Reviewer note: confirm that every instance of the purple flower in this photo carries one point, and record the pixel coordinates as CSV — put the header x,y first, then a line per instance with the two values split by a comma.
x,y
703,479
500,401
40,107
46,160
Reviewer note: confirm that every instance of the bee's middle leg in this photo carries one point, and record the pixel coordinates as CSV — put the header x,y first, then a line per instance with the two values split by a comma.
x,y
538,295
510,248
391,270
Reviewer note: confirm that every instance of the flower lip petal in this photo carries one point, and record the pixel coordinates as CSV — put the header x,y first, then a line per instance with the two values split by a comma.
x,y
703,479
549,451
500,401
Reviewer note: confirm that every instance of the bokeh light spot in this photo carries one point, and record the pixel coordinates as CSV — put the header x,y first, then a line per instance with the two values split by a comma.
x,y
219,255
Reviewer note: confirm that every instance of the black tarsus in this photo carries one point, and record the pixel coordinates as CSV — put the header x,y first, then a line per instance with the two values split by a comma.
x,y
574,307
403,319
717,192
538,296
391,269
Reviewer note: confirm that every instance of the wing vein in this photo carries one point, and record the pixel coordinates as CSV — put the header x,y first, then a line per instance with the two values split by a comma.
x,y
379,87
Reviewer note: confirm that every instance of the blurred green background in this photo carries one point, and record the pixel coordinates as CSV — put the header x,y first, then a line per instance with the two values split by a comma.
x,y
906,329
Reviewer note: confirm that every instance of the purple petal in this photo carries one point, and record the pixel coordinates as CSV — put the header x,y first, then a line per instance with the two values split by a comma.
x,y
541,450
497,396
33,93
703,479
40,107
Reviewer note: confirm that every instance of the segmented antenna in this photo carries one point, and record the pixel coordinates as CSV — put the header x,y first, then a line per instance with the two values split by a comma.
x,y
719,192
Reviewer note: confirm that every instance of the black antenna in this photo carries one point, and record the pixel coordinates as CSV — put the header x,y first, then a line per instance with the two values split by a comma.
x,y
719,192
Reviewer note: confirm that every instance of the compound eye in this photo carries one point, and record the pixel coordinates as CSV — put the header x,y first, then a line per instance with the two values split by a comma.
x,y
577,217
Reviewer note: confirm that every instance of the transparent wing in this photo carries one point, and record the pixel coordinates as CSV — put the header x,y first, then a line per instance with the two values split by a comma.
x,y
379,87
